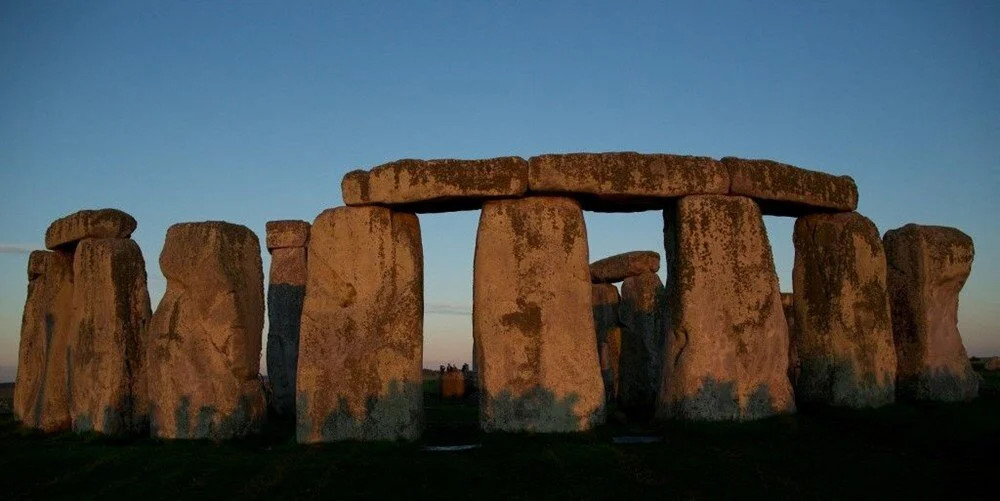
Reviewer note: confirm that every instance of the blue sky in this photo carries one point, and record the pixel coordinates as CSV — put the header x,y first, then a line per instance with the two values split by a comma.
x,y
250,111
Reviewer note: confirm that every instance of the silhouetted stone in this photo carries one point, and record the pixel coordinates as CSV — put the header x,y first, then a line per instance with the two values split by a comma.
x,y
436,185
842,321
625,181
786,190
361,342
726,352
621,266
285,293
533,320
794,367
928,266
641,312
102,223
287,234
605,301
108,386
205,334
41,398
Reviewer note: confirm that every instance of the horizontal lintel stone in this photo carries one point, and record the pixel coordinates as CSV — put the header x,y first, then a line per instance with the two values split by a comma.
x,y
785,190
100,223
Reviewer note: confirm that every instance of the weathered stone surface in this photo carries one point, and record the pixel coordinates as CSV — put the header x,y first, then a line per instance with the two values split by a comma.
x,y
625,181
726,351
842,321
928,266
285,293
605,301
286,234
532,318
786,190
452,384
41,398
621,266
641,313
437,185
794,367
102,223
107,375
361,342
204,355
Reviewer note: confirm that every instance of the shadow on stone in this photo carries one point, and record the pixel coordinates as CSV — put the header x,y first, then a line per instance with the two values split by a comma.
x,y
718,401
398,414
836,382
940,384
537,410
208,423
284,311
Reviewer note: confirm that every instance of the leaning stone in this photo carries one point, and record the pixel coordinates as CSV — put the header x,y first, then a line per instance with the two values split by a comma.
x,y
605,301
361,342
842,321
642,341
107,384
41,397
621,266
625,181
928,266
285,293
287,234
726,350
205,335
532,318
102,223
786,190
794,367
437,185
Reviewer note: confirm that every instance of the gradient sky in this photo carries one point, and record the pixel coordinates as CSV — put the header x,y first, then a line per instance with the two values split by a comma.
x,y
246,112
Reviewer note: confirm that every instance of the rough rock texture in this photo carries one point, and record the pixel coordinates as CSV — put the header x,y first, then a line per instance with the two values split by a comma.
x,y
533,320
102,223
437,185
286,234
625,181
41,398
842,321
107,376
605,300
794,367
361,341
204,355
928,266
785,190
726,351
285,293
641,311
621,266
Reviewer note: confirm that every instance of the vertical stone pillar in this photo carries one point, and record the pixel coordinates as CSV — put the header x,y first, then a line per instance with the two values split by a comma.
x,y
843,331
726,351
928,266
641,312
205,334
532,318
361,341
605,300
286,290
794,368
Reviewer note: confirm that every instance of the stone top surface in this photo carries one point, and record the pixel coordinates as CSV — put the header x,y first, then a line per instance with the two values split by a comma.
x,y
621,266
287,233
100,223
786,190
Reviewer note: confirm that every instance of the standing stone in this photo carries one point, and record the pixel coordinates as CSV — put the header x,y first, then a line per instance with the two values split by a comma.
x,y
286,241
605,299
361,344
41,398
107,383
726,352
641,313
928,266
204,355
621,266
533,320
794,368
842,322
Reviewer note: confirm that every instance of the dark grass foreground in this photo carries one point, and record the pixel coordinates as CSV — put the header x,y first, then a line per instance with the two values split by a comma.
x,y
938,451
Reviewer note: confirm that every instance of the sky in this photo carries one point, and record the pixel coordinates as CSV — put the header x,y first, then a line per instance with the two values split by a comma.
x,y
246,112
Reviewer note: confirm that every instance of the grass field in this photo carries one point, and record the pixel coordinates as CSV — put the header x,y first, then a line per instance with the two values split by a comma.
x,y
946,450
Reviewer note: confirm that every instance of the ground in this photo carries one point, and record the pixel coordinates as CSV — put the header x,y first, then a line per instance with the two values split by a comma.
x,y
943,450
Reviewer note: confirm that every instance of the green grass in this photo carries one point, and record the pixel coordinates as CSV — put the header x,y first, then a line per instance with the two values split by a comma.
x,y
901,450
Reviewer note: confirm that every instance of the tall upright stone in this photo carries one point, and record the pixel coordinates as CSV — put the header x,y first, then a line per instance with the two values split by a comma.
x,y
361,340
928,266
726,351
41,397
842,322
605,300
641,363
205,335
794,368
111,310
532,318
286,290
